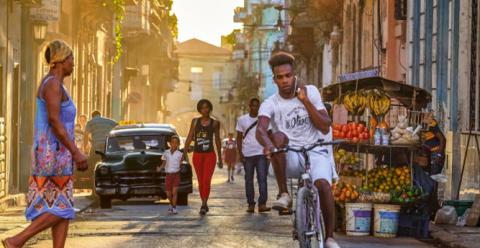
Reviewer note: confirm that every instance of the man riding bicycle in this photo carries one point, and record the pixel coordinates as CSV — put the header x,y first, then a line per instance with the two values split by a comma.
x,y
298,117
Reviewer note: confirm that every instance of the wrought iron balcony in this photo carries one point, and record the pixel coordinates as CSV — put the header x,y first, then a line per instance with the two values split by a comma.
x,y
240,14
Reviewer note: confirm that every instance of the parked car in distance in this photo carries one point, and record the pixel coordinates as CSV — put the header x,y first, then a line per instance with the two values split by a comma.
x,y
131,165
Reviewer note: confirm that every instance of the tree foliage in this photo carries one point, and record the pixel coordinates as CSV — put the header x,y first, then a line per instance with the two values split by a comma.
x,y
119,12
231,38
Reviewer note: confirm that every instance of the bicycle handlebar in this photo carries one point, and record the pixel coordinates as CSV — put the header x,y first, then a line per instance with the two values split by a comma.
x,y
308,147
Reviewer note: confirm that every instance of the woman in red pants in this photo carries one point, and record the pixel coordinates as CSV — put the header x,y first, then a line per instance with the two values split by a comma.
x,y
202,130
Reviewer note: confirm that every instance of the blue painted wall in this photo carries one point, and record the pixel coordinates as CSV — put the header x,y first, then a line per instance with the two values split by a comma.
x,y
266,36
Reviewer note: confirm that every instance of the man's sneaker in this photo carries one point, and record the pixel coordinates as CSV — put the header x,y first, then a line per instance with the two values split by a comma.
x,y
170,209
174,211
331,243
282,203
251,209
263,208
232,178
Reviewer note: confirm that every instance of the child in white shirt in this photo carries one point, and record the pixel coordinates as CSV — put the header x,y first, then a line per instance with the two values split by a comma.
x,y
171,160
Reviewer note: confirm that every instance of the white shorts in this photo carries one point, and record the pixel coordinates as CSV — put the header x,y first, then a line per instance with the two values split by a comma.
x,y
320,164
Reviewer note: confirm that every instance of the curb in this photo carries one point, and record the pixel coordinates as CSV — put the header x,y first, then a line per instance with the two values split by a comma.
x,y
446,239
82,203
12,201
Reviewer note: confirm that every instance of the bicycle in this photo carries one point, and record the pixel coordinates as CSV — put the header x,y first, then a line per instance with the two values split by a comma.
x,y
308,219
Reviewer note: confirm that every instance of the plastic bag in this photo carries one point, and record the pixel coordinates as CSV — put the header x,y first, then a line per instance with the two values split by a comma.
x,y
446,215
441,177
462,220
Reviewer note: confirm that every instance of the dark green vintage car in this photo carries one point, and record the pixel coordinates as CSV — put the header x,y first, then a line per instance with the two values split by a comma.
x,y
131,165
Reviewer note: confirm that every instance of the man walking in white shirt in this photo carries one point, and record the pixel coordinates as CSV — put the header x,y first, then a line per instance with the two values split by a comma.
x,y
251,154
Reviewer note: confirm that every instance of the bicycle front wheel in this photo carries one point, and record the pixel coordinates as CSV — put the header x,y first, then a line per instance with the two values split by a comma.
x,y
306,219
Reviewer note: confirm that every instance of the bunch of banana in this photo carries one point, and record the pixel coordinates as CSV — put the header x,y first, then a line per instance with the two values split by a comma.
x,y
355,102
378,102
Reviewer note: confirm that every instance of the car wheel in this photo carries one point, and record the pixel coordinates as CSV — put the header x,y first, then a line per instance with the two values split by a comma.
x,y
182,199
105,202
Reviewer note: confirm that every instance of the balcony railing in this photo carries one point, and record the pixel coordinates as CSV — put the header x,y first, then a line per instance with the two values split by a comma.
x,y
240,14
31,3
137,17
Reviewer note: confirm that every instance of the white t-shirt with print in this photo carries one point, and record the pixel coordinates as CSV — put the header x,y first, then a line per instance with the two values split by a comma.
x,y
173,161
291,117
250,145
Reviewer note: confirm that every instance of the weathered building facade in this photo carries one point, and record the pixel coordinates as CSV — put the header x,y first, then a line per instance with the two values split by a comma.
x,y
443,58
98,81
261,32
205,72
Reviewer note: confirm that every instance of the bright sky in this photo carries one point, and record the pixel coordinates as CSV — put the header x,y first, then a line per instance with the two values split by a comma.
x,y
205,20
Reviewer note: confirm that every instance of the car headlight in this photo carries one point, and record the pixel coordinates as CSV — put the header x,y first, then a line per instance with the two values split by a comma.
x,y
103,170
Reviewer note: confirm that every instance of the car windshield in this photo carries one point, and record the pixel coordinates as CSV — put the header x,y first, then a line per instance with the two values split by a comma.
x,y
137,143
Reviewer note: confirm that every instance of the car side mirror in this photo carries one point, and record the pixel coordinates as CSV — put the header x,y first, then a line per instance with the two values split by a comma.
x,y
100,153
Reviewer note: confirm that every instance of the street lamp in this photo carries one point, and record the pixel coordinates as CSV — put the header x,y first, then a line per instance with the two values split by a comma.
x,y
40,31
276,47
279,24
335,37
293,10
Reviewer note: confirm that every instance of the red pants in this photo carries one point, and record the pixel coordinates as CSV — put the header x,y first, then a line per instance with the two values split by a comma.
x,y
204,164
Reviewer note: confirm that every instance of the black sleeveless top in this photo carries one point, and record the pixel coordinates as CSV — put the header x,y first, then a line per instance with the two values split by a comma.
x,y
203,136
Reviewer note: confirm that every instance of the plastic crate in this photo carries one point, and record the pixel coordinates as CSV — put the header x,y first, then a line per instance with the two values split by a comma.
x,y
412,225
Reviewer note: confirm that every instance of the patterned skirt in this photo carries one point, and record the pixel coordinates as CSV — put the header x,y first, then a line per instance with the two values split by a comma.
x,y
51,194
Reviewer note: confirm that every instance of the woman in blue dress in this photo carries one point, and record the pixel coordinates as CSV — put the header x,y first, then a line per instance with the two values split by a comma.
x,y
50,194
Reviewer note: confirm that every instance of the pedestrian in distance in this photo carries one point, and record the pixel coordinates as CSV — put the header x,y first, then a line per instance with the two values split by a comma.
x,y
297,116
230,156
96,130
81,136
50,193
251,154
171,161
202,132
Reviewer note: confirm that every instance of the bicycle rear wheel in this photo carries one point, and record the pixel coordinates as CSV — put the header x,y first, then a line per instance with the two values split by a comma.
x,y
307,221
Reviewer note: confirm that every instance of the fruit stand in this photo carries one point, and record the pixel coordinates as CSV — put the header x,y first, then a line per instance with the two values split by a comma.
x,y
393,113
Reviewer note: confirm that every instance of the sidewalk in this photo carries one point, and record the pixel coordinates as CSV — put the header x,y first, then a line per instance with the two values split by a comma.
x,y
12,220
455,236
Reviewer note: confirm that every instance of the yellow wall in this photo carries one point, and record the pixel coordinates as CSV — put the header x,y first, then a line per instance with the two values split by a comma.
x,y
182,103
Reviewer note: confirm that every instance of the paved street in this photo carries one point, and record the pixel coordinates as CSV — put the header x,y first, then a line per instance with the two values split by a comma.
x,y
144,224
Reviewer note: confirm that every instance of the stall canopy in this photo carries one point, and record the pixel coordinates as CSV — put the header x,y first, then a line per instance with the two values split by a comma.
x,y
410,96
